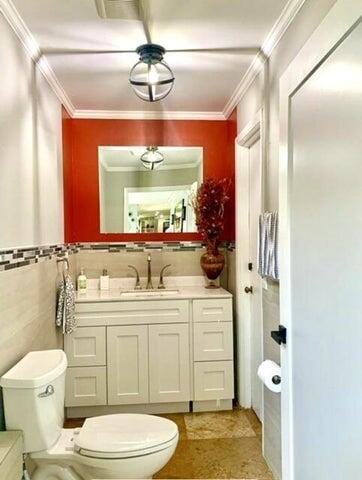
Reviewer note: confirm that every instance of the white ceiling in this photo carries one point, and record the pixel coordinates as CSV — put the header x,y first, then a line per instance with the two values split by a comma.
x,y
115,159
204,81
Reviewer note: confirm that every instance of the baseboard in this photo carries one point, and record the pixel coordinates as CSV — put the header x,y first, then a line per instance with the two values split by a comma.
x,y
212,405
152,408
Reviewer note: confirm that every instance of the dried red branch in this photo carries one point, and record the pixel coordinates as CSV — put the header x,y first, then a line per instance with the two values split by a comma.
x,y
209,206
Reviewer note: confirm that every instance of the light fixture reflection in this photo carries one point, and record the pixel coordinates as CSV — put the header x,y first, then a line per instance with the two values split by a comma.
x,y
152,158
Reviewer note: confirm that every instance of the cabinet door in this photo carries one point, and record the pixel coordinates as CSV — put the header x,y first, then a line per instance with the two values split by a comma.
x,y
213,341
127,348
85,386
213,380
169,355
86,346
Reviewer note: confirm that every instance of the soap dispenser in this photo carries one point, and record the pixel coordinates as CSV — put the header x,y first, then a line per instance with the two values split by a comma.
x,y
104,280
82,281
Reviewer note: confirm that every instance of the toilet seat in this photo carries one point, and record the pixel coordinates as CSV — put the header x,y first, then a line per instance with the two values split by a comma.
x,y
124,436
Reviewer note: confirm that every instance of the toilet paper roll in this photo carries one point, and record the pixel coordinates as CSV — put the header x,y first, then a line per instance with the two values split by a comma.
x,y
266,371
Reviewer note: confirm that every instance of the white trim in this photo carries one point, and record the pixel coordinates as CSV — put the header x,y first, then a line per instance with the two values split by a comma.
x,y
342,16
286,17
249,135
30,45
147,115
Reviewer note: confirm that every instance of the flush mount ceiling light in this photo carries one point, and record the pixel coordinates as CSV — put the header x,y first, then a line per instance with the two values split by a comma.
x,y
152,158
151,78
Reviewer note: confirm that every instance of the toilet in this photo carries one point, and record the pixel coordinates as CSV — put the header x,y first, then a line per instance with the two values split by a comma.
x,y
106,447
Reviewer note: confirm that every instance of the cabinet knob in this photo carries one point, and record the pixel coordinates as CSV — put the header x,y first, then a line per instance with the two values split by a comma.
x,y
248,289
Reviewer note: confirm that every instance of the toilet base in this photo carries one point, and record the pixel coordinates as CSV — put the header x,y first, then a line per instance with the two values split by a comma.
x,y
61,462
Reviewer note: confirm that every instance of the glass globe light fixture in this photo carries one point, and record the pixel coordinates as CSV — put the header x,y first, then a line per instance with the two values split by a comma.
x,y
152,158
151,78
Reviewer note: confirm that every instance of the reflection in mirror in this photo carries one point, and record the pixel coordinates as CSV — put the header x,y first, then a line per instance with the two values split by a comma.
x,y
138,197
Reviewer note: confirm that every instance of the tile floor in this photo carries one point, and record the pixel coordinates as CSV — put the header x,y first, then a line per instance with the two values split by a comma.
x,y
215,446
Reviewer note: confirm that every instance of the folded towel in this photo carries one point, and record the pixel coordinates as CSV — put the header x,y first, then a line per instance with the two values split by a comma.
x,y
268,245
66,305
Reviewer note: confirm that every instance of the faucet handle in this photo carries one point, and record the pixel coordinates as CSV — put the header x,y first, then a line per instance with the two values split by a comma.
x,y
138,283
161,285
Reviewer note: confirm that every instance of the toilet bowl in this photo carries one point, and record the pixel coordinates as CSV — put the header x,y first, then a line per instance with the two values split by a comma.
x,y
106,447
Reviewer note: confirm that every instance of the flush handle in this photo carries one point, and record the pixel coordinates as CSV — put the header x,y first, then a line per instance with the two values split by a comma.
x,y
47,392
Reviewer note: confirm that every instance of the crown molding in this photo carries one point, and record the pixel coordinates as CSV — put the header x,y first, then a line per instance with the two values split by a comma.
x,y
276,33
142,115
32,48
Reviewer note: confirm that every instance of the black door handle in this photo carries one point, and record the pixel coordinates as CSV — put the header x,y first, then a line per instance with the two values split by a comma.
x,y
248,289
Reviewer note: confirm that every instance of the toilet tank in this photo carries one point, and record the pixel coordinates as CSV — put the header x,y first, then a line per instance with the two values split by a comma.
x,y
33,392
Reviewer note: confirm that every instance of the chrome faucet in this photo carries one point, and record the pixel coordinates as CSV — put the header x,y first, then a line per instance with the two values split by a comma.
x,y
138,283
149,285
161,285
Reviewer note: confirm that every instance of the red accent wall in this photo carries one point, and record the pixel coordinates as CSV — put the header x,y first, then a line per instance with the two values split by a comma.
x,y
81,139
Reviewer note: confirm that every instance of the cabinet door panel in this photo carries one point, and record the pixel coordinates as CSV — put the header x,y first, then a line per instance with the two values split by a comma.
x,y
86,346
169,363
85,386
127,364
213,380
213,341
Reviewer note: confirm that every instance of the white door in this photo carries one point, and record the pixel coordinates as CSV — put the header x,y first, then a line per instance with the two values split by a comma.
x,y
249,328
127,372
169,350
256,319
321,286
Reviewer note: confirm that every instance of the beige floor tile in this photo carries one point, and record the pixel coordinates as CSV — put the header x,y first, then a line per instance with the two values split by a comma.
x,y
233,424
254,420
229,458
181,464
178,418
238,458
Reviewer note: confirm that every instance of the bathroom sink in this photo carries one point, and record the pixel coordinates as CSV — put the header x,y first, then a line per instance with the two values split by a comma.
x,y
148,293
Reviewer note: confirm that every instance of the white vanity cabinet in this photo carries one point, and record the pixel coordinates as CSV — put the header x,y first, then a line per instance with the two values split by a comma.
x,y
150,356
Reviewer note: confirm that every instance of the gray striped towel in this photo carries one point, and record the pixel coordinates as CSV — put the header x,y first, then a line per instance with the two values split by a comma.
x,y
268,245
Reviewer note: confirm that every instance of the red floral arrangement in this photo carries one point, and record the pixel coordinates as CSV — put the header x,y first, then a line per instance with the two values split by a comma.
x,y
209,206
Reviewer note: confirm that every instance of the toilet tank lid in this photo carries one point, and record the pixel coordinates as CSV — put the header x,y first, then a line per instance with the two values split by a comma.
x,y
35,369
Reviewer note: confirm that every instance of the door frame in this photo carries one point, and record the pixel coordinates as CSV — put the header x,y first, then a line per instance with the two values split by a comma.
x,y
341,19
252,132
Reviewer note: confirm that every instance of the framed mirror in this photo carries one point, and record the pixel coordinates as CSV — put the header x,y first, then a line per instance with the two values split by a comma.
x,y
148,189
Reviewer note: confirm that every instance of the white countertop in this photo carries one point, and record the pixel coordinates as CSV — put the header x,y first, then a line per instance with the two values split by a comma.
x,y
195,289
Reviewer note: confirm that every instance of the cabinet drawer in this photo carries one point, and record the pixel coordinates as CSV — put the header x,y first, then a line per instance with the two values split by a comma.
x,y
86,346
213,341
213,380
133,313
86,386
218,310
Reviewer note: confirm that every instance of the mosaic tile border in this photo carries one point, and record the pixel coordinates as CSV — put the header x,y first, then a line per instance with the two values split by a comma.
x,y
22,257
148,246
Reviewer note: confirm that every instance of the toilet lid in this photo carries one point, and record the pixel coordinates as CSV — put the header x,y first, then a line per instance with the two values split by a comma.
x,y
117,436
